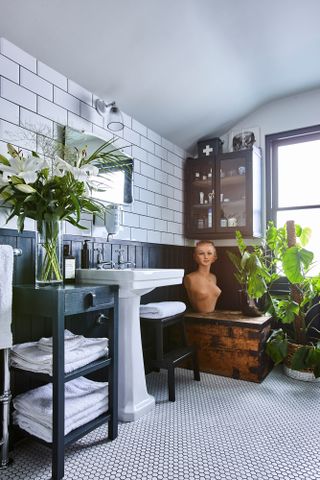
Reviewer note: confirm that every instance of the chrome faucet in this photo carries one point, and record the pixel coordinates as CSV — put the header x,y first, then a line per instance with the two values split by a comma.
x,y
101,264
121,262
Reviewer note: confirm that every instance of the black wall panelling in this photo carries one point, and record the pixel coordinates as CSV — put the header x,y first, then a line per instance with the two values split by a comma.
x,y
144,255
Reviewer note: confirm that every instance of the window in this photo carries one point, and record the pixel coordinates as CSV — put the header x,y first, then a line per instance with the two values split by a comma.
x,y
293,177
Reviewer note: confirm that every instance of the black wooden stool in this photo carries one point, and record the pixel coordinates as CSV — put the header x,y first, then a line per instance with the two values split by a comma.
x,y
171,359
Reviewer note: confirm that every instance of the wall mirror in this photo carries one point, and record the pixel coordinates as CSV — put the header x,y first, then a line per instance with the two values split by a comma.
x,y
115,183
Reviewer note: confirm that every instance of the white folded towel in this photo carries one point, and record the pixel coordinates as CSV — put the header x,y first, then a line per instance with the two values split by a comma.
x,y
6,271
161,309
84,401
28,356
43,431
71,341
80,394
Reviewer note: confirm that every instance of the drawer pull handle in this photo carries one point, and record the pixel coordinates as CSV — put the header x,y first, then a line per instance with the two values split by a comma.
x,y
93,299
101,319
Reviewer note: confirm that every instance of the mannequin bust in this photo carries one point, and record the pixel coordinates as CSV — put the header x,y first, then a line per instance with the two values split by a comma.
x,y
201,285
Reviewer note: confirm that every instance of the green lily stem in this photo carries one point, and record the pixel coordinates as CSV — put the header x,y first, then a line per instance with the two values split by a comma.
x,y
50,268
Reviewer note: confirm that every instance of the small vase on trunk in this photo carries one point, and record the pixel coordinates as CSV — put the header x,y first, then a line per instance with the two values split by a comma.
x,y
49,253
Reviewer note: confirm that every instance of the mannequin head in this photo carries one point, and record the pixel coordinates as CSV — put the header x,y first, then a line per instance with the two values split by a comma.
x,y
205,253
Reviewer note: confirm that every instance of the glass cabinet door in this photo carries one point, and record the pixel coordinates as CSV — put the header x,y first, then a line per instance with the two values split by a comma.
x,y
200,196
232,188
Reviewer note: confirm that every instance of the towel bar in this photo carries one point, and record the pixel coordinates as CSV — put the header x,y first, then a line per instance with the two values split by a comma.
x,y
5,398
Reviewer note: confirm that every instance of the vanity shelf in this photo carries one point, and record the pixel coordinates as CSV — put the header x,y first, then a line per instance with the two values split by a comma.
x,y
57,303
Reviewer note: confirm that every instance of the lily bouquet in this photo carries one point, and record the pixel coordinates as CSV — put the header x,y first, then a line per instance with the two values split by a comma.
x,y
51,190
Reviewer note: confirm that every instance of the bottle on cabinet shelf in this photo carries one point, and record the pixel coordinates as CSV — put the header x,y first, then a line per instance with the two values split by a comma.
x,y
223,220
209,217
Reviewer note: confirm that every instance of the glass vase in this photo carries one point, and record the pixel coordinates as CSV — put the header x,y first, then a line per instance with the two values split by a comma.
x,y
49,253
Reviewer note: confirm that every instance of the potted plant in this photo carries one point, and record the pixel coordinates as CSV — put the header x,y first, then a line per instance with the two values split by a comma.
x,y
295,342
253,274
51,190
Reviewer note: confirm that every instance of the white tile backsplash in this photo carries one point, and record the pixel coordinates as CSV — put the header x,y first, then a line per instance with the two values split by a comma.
x,y
36,84
66,100
139,153
17,54
20,137
35,122
79,123
138,127
154,185
147,144
19,95
46,98
138,234
146,222
53,112
79,92
146,196
9,69
153,136
9,111
52,76
131,136
160,152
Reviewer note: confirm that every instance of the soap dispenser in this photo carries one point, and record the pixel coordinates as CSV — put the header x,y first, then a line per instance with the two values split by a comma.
x,y
85,258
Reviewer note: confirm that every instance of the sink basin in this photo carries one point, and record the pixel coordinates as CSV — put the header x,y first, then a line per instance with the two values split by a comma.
x,y
134,279
134,400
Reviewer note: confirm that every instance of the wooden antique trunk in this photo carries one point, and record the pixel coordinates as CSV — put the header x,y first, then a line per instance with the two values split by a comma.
x,y
230,344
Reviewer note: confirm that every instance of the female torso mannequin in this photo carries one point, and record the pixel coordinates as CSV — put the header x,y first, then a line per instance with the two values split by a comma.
x,y
201,285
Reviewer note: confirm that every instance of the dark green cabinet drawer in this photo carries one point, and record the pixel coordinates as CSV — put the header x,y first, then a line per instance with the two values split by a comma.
x,y
84,300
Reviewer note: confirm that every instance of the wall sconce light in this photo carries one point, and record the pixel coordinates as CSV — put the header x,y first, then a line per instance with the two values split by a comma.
x,y
114,118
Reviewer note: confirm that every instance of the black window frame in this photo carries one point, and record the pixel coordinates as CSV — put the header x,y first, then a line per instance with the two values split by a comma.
x,y
272,142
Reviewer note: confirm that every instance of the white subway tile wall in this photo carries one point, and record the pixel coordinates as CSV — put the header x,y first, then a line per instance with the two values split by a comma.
x,y
34,98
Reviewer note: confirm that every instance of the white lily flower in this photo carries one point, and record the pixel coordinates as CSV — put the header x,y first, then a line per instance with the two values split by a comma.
x,y
60,167
25,168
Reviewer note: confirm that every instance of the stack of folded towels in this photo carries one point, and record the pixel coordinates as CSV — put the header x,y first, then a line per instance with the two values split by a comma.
x,y
78,351
161,309
84,401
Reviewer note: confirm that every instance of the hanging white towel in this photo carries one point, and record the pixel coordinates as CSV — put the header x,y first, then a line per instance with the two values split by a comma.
x,y
6,271
161,309
28,356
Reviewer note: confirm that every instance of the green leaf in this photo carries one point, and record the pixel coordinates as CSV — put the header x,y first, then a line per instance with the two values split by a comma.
x,y
277,346
305,236
295,261
299,359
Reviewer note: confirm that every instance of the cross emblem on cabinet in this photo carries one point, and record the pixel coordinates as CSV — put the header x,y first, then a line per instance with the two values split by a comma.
x,y
207,150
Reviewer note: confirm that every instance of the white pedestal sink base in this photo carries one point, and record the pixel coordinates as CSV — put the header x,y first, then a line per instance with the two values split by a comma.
x,y
134,400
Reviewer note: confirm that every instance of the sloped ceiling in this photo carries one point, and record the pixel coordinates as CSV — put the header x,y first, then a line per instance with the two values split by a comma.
x,y
188,69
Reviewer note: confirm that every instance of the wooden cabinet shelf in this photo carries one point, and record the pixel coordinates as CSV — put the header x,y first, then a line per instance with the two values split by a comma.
x,y
236,177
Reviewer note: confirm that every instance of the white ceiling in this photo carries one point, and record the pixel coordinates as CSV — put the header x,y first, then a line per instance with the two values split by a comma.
x,y
188,69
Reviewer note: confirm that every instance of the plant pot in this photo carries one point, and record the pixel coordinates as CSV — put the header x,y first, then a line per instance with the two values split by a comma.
x,y
49,245
247,305
305,375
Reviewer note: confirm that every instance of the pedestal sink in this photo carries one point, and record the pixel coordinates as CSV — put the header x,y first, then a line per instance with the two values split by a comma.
x,y
134,400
